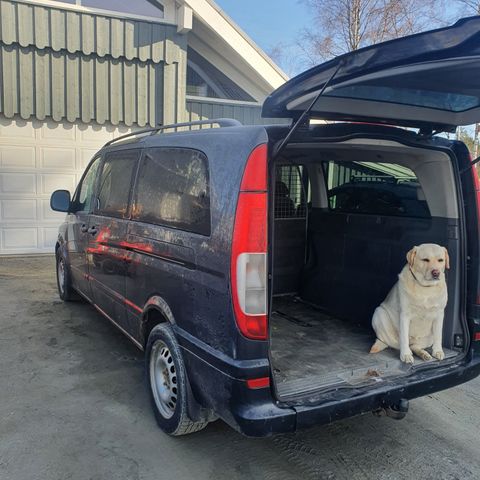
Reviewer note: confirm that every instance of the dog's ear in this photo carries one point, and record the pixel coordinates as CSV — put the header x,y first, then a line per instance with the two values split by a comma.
x,y
411,256
447,259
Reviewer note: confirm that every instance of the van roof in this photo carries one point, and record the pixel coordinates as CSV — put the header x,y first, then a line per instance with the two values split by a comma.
x,y
176,139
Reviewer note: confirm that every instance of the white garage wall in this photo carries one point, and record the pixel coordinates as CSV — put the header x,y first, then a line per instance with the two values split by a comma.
x,y
37,158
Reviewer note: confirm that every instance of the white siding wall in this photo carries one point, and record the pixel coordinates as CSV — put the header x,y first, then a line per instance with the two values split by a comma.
x,y
37,158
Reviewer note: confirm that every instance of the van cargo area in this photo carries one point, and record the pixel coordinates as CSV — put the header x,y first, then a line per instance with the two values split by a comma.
x,y
343,217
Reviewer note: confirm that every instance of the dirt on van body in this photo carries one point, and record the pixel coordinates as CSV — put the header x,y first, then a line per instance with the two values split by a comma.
x,y
73,406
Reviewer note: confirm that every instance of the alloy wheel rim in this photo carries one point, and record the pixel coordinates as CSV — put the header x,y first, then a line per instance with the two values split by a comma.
x,y
163,379
61,275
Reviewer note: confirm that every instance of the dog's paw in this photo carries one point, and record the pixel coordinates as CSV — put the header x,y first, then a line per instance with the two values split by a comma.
x,y
424,355
438,354
407,357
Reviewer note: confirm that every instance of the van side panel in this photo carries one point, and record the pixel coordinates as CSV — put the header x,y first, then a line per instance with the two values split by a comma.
x,y
190,271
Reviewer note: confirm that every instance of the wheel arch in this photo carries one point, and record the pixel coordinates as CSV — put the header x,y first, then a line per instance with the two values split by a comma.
x,y
60,244
156,311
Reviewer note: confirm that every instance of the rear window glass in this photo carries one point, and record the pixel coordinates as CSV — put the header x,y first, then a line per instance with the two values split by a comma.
x,y
374,188
115,182
173,189
449,101
291,191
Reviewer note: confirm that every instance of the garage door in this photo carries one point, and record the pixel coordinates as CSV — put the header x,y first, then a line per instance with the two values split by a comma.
x,y
37,158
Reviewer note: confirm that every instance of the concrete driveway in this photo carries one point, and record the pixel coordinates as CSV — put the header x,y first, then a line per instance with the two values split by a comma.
x,y
73,406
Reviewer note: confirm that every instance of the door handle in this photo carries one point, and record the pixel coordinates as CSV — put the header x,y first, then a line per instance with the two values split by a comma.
x,y
92,230
84,228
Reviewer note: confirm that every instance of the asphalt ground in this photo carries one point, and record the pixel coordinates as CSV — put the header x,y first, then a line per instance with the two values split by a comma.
x,y
73,405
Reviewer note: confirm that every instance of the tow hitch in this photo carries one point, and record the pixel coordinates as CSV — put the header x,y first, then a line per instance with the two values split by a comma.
x,y
397,411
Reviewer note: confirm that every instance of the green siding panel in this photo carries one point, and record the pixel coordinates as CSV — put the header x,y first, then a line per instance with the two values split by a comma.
x,y
10,85
8,19
73,26
145,41
118,35
88,34
129,93
26,83
73,91
152,110
102,27
116,101
42,34
57,77
26,26
142,95
247,114
87,79
50,84
42,85
73,65
101,90
60,29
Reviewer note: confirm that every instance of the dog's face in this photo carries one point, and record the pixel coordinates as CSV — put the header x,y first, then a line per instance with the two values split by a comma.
x,y
428,263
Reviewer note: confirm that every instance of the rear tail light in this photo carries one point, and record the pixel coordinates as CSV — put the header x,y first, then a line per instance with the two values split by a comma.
x,y
476,337
251,283
249,249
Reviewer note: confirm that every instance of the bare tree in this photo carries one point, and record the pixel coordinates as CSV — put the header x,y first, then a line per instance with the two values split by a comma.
x,y
286,56
340,26
469,7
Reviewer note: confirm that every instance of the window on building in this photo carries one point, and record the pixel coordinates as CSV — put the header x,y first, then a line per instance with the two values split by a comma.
x,y
173,190
375,188
205,80
145,8
115,182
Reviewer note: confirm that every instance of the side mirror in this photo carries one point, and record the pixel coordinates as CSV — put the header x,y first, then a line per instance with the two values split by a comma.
x,y
60,201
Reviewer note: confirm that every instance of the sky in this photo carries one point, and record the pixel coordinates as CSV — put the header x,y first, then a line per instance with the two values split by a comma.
x,y
279,22
268,22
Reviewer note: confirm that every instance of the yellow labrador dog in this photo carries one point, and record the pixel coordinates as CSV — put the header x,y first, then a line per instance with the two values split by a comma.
x,y
410,319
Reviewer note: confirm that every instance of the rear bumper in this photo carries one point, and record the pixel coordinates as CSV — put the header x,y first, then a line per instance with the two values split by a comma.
x,y
255,413
423,383
267,418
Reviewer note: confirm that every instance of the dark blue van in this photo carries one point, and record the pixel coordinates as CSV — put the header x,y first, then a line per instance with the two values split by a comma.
x,y
246,261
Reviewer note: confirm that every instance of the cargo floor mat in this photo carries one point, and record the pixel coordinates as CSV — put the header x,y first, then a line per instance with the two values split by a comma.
x,y
312,351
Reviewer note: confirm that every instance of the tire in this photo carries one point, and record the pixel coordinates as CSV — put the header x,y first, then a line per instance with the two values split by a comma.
x,y
64,282
167,383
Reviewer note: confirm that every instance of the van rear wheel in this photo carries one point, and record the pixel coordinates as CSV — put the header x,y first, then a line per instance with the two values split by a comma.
x,y
167,383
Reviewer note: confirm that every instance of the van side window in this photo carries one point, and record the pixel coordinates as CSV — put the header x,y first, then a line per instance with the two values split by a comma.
x,y
115,182
83,199
291,187
173,189
374,188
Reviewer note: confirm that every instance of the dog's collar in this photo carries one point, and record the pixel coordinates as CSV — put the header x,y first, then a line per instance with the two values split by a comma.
x,y
416,279
413,275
